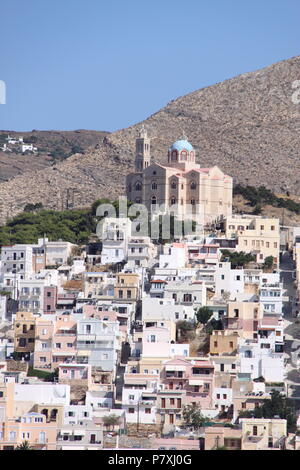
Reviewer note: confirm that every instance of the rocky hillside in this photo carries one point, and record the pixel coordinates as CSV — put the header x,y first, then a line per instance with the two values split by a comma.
x,y
52,147
247,125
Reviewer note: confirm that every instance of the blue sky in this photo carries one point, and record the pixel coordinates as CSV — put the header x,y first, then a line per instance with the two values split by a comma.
x,y
106,65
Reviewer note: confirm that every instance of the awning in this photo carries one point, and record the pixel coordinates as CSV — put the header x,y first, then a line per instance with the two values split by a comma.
x,y
83,353
66,431
78,432
62,354
196,382
170,368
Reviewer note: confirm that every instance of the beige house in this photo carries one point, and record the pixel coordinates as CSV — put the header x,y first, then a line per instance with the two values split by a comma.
x,y
24,332
223,342
262,434
257,235
205,193
127,287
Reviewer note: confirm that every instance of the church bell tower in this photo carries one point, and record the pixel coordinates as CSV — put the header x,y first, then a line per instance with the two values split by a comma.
x,y
142,151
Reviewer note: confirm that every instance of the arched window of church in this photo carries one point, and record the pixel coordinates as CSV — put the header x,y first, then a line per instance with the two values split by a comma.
x,y
173,200
129,188
193,202
174,156
154,185
153,200
138,186
183,155
220,202
173,185
193,185
138,200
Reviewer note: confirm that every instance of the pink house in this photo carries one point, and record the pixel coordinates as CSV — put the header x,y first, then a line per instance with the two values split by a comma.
x,y
195,377
156,341
50,299
64,339
55,341
69,372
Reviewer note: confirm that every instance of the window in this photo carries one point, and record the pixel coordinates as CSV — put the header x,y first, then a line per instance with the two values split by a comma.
x,y
154,185
193,185
173,184
69,345
138,186
130,410
88,328
58,345
254,430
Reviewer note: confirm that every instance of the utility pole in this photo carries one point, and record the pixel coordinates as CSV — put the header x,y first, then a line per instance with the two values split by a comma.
x,y
138,416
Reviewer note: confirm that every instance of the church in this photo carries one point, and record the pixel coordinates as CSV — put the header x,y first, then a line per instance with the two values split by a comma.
x,y
181,184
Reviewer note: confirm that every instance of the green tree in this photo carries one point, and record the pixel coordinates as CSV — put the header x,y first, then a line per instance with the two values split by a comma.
x,y
111,421
192,416
24,446
269,261
237,258
203,314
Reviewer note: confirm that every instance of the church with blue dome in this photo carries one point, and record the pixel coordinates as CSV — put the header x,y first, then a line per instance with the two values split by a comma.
x,y
181,185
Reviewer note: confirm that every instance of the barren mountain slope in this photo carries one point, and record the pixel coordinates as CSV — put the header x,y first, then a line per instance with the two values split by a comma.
x,y
248,125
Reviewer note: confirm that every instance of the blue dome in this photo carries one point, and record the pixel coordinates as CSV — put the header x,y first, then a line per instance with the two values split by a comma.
x,y
182,145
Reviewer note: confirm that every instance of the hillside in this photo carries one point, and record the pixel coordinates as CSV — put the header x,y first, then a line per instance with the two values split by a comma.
x,y
52,146
247,125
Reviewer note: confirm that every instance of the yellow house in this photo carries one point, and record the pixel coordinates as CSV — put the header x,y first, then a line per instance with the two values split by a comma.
x,y
127,287
24,332
223,342
243,316
257,235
